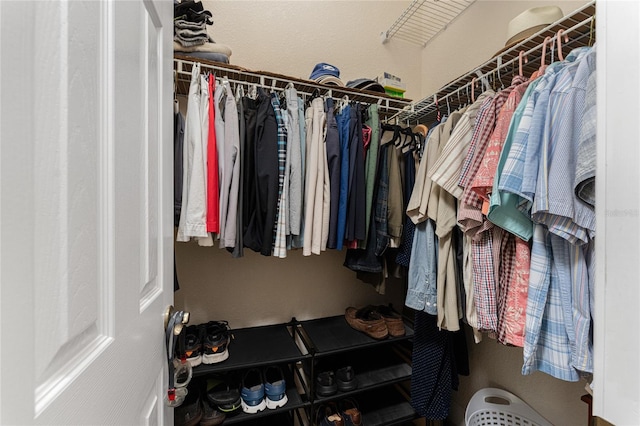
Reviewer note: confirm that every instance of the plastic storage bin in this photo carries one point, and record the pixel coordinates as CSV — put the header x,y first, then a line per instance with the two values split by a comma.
x,y
492,406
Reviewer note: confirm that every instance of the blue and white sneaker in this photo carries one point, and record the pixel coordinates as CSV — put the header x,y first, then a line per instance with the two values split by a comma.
x,y
275,387
252,392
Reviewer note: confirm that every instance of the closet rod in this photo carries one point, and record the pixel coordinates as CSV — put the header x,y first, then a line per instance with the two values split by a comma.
x,y
579,25
388,105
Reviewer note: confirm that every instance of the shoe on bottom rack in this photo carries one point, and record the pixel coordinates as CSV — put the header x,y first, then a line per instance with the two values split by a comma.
x,y
215,342
327,415
223,393
275,387
190,412
252,392
350,413
346,379
211,416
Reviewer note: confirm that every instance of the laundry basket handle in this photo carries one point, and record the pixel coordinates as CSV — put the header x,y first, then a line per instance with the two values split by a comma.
x,y
497,403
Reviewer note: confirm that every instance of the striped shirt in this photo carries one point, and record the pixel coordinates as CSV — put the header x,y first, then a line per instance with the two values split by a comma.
x,y
279,231
446,170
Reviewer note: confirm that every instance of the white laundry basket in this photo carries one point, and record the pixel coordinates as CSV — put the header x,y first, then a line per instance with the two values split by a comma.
x,y
492,406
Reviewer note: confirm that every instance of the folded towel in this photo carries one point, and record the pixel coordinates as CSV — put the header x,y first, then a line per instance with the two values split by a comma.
x,y
207,47
189,25
188,37
216,57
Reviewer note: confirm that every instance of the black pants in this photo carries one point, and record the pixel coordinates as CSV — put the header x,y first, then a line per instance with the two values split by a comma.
x,y
266,176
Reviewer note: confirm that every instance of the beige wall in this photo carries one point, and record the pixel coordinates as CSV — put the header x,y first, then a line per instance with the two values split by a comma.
x,y
277,36
290,37
473,39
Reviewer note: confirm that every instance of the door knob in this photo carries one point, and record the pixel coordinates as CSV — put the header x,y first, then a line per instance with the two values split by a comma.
x,y
179,372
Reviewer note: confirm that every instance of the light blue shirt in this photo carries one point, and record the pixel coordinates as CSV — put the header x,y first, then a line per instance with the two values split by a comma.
x,y
557,336
423,269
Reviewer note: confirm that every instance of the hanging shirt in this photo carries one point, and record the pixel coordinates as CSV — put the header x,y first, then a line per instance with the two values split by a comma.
x,y
213,196
332,141
193,214
316,227
371,162
266,176
586,161
178,147
343,118
355,220
231,183
297,240
249,194
205,100
219,103
513,254
238,249
442,210
279,230
485,266
423,270
557,266
446,170
294,169
504,209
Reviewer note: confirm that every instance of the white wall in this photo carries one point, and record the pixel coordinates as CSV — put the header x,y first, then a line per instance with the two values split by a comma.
x,y
290,38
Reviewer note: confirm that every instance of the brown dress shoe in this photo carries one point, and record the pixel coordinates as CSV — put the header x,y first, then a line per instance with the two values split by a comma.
x,y
368,321
392,319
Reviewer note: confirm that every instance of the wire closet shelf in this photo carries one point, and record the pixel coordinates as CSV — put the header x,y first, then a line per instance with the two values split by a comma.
x,y
182,65
423,20
579,26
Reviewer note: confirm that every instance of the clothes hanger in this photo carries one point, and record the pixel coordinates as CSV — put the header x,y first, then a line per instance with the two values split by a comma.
x,y
344,101
239,92
520,56
473,89
559,41
314,94
543,66
364,113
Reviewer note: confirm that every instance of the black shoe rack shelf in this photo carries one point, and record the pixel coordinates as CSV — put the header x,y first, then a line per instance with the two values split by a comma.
x,y
302,349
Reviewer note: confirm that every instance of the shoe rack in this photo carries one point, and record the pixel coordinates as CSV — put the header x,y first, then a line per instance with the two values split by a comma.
x,y
302,349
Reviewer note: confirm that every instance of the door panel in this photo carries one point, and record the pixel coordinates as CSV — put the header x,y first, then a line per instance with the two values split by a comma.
x,y
86,211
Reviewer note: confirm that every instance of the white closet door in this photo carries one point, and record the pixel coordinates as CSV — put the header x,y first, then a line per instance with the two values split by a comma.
x,y
85,210
617,310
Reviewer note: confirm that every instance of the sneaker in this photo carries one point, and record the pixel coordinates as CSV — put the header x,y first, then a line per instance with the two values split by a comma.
x,y
193,344
252,392
346,379
368,321
392,319
326,384
275,387
190,412
215,342
350,413
211,416
223,393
